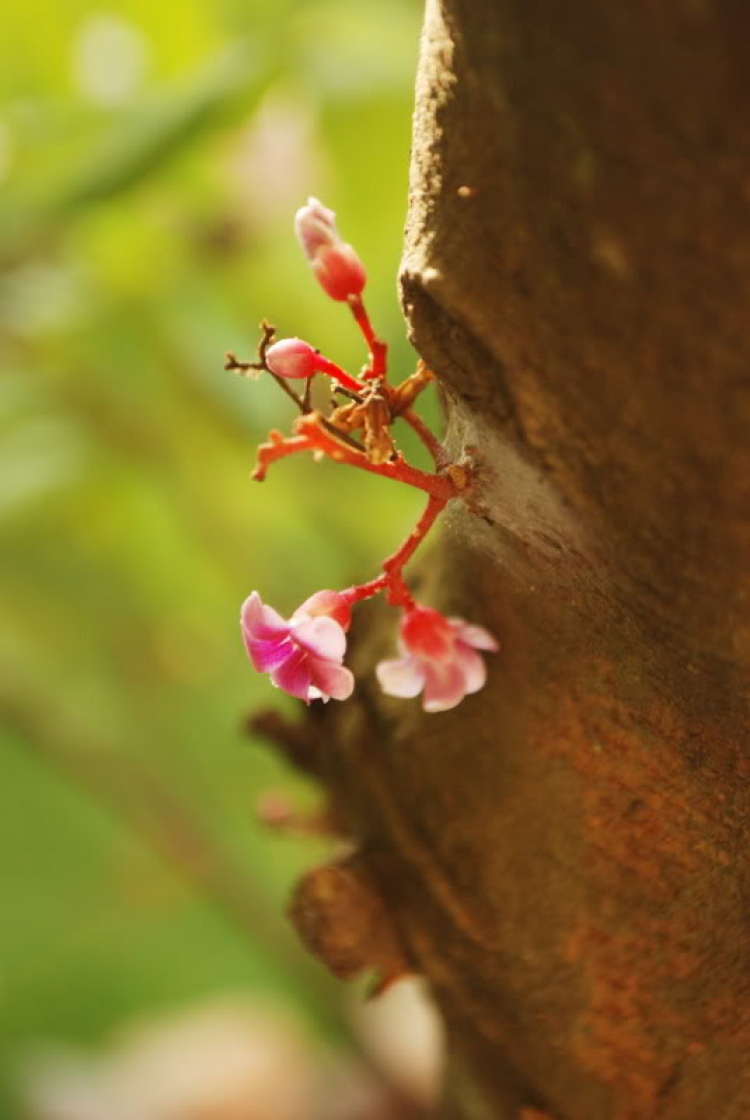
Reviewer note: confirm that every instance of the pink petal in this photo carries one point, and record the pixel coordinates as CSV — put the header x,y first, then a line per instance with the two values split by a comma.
x,y
294,675
315,227
475,636
321,636
444,688
472,667
260,621
268,655
335,681
330,603
403,676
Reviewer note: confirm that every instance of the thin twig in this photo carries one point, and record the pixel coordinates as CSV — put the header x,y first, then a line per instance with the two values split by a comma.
x,y
235,364
428,438
337,433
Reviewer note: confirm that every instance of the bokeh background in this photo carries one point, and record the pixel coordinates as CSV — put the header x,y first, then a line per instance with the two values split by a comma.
x,y
151,158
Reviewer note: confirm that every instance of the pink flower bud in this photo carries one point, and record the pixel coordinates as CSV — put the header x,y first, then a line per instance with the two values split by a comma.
x,y
337,267
315,226
291,357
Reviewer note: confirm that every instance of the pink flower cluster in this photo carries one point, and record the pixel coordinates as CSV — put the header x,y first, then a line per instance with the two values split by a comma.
x,y
440,658
304,654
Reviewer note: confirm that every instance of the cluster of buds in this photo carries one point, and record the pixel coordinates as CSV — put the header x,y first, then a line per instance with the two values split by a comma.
x,y
304,654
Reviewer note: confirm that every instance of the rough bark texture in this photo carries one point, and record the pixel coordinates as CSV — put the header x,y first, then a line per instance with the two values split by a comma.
x,y
565,855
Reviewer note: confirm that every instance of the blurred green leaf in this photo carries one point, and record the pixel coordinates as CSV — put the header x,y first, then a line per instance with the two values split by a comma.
x,y
141,240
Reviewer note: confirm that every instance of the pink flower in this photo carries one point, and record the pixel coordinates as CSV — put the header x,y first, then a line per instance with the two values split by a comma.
x,y
337,267
439,656
304,654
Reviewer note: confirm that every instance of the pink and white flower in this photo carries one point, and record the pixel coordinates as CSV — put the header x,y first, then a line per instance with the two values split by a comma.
x,y
439,658
336,265
303,654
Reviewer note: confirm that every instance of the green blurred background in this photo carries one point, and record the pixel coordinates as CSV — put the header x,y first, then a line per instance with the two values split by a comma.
x,y
151,159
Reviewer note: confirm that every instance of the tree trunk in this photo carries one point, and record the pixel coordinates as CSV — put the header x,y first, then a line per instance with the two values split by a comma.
x,y
565,854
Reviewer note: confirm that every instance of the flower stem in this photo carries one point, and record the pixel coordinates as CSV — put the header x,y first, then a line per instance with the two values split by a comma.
x,y
392,578
378,348
326,366
311,436
431,442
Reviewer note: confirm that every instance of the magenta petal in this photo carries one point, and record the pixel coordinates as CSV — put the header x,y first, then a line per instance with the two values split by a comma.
x,y
261,621
475,636
403,677
335,681
268,655
444,687
472,666
321,636
293,676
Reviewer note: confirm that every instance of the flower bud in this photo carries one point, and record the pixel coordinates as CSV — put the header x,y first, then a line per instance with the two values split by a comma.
x,y
337,267
315,226
291,357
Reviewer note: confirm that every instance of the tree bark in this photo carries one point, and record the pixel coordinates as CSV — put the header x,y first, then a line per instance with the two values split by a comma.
x,y
565,855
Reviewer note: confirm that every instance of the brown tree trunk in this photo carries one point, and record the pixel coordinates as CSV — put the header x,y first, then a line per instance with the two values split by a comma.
x,y
565,855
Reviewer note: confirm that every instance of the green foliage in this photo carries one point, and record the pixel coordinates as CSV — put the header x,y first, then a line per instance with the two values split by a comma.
x,y
150,164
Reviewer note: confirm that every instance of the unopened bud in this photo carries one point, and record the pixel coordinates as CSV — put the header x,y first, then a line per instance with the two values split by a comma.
x,y
337,267
291,357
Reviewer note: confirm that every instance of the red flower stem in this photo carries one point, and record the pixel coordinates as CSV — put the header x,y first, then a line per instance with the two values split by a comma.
x,y
378,348
431,442
398,593
278,447
396,561
325,365
439,486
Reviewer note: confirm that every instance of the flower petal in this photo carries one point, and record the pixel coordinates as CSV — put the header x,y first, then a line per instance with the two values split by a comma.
x,y
475,636
472,666
261,621
330,603
268,655
403,676
445,687
321,636
293,676
334,681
